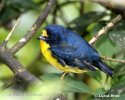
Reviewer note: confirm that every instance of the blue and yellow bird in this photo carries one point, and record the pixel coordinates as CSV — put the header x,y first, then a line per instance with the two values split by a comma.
x,y
69,52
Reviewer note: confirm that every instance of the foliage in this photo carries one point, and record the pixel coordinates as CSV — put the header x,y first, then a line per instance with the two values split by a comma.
x,y
12,9
87,24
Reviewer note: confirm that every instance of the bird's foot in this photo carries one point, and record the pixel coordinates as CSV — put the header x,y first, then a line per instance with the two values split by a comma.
x,y
63,75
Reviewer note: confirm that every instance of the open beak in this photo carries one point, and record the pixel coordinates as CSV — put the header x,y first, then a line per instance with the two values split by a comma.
x,y
41,38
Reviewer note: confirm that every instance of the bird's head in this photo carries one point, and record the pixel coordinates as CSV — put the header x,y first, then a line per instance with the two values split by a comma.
x,y
53,34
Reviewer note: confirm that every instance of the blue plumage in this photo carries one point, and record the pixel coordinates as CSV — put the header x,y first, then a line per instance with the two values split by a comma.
x,y
71,49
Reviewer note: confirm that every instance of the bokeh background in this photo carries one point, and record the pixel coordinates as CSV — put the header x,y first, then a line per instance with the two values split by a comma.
x,y
82,16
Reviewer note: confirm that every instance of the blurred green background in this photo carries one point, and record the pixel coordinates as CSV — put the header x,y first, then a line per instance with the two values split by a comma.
x,y
84,17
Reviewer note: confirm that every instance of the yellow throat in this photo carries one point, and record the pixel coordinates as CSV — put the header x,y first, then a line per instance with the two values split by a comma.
x,y
48,55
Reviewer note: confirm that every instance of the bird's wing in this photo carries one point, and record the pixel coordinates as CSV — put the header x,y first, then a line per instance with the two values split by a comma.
x,y
68,55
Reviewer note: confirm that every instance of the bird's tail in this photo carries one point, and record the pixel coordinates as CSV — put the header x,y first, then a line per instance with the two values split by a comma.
x,y
105,68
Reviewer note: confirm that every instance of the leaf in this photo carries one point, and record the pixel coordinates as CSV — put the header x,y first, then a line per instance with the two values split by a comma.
x,y
120,82
118,97
97,27
22,4
79,24
110,43
120,70
105,47
69,84
77,86
96,75
54,86
7,15
100,91
117,89
12,9
118,37
103,44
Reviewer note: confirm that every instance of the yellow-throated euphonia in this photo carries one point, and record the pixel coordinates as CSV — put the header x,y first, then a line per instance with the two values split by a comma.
x,y
69,52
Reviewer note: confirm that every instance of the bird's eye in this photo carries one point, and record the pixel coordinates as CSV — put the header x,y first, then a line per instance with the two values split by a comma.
x,y
44,33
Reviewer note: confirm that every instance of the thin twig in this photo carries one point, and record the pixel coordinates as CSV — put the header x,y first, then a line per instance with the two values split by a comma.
x,y
11,32
34,28
111,59
105,29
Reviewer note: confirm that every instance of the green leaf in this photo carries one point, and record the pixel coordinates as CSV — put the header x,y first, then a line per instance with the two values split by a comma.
x,y
22,4
77,86
118,97
69,84
100,91
118,37
7,15
110,43
55,86
81,23
117,89
97,27
119,70
120,82
104,45
12,9
96,75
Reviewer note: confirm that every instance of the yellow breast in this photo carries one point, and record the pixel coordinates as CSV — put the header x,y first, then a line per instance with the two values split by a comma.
x,y
52,60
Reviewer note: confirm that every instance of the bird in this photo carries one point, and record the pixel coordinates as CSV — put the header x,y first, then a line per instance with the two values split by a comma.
x,y
69,52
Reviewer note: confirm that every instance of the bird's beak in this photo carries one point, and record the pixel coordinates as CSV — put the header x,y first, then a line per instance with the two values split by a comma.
x,y
44,35
42,38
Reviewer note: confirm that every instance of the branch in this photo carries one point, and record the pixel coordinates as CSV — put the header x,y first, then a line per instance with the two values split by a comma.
x,y
113,60
105,29
34,28
10,34
6,56
19,71
114,5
